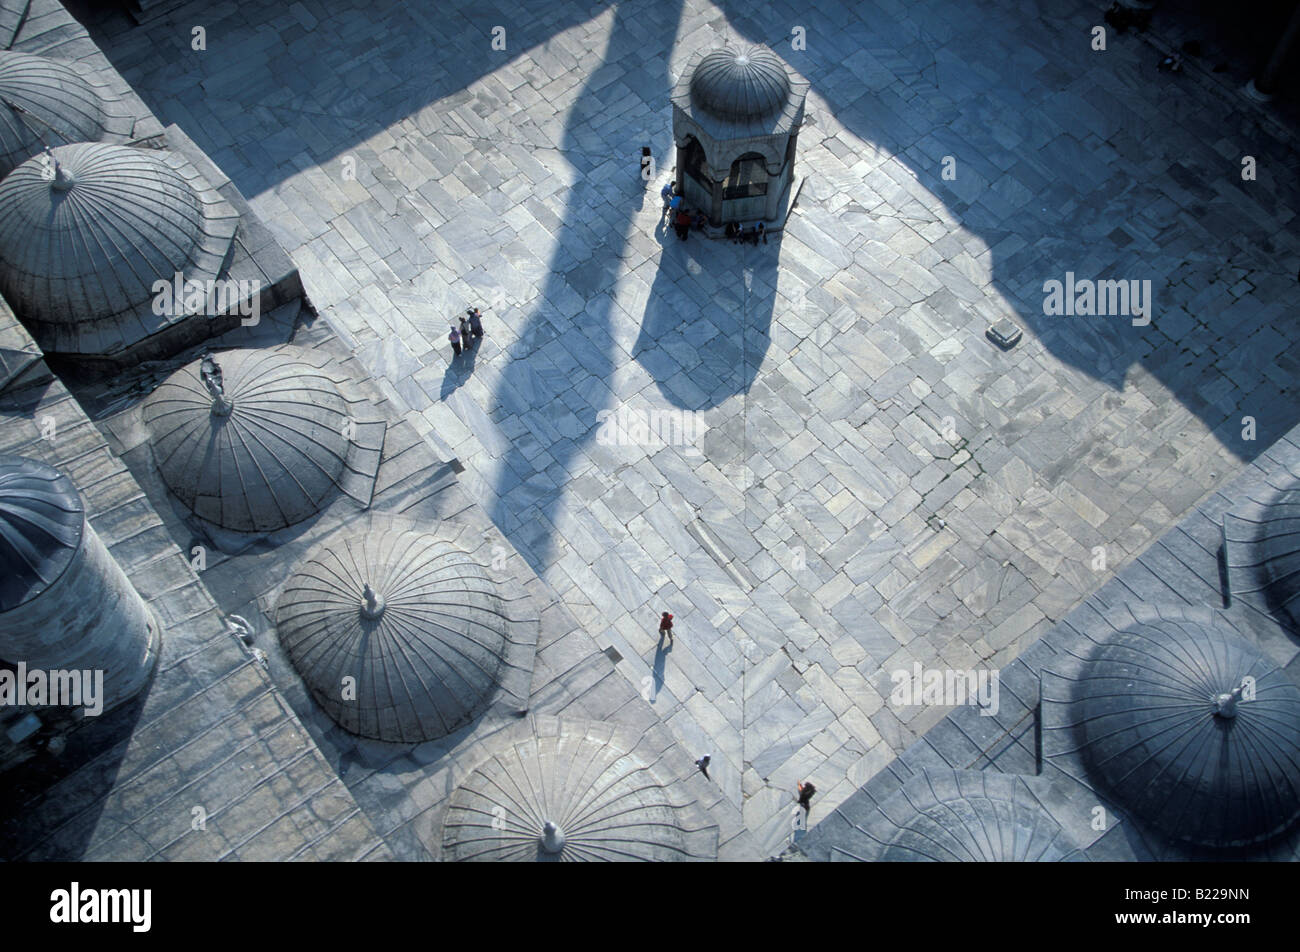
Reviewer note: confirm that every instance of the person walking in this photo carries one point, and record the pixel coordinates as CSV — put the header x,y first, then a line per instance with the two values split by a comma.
x,y
454,337
466,339
476,324
683,224
806,791
666,625
666,193
703,764
761,231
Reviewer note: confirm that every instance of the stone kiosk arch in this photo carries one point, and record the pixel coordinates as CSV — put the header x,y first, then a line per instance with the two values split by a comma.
x,y
736,119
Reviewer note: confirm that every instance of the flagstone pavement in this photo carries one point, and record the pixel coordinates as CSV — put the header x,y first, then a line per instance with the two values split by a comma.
x,y
875,484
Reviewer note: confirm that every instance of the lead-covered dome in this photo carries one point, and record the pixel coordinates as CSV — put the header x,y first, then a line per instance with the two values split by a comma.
x,y
86,229
948,816
740,85
733,102
41,521
1262,551
979,817
399,635
250,440
1191,729
44,102
559,789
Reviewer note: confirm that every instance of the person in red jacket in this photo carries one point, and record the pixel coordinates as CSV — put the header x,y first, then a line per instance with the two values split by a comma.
x,y
666,625
682,223
806,791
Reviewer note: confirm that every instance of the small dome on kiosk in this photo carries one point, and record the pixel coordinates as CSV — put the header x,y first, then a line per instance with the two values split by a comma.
x,y
740,84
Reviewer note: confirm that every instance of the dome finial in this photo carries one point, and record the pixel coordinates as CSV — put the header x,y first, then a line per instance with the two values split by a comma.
x,y
372,603
63,179
1225,705
210,371
552,838
60,178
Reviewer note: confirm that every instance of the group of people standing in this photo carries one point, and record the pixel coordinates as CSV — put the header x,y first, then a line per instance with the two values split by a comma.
x,y
683,221
740,234
468,333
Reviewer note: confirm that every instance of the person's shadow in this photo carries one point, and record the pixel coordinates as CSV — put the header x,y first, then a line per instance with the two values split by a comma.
x,y
661,230
664,646
458,371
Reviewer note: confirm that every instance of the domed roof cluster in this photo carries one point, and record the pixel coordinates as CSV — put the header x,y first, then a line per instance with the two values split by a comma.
x,y
1262,551
89,225
41,521
87,229
956,816
252,440
557,790
740,85
1189,727
413,621
48,102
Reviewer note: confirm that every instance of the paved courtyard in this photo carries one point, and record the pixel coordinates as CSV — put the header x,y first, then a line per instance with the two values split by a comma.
x,y
876,484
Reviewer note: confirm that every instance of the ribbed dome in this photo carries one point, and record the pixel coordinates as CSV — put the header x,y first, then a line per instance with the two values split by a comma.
x,y
946,816
272,460
43,102
424,644
1164,721
89,242
997,822
572,791
1262,549
740,85
41,520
